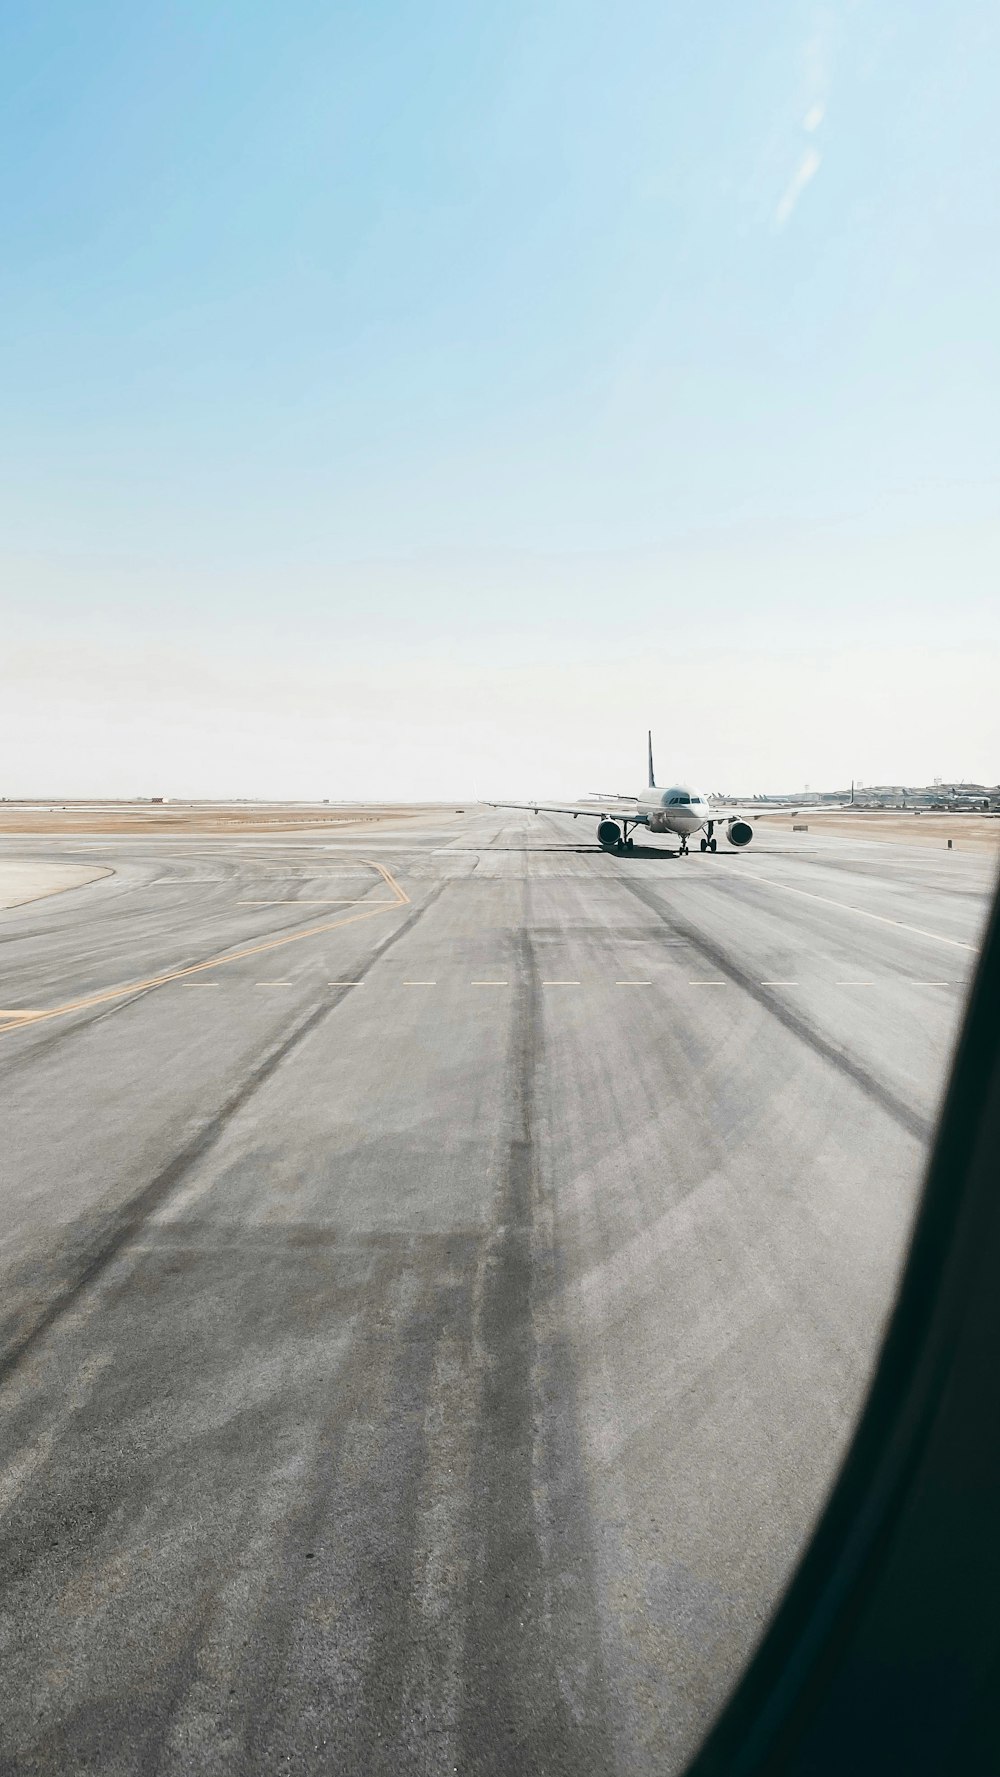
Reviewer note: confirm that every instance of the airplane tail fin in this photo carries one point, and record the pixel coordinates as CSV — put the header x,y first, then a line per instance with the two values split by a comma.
x,y
652,779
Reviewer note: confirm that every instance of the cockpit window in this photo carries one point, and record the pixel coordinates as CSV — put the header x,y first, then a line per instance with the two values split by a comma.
x,y
674,800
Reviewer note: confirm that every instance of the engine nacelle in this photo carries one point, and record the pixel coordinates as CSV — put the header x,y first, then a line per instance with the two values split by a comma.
x,y
739,832
609,835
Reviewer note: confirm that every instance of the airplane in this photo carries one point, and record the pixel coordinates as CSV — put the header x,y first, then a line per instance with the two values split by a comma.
x,y
680,809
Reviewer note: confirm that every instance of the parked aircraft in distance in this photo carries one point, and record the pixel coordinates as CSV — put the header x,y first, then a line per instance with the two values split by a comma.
x,y
681,810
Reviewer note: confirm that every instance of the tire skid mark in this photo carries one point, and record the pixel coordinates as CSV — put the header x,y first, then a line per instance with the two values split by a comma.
x,y
908,1118
99,1246
361,1643
193,1620
533,1680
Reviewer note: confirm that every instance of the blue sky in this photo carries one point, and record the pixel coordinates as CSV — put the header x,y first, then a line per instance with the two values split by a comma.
x,y
414,399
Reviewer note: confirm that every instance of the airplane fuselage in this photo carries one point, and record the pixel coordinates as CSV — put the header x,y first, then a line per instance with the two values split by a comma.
x,y
680,810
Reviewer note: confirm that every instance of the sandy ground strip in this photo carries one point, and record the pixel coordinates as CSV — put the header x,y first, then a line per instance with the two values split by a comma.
x,y
967,832
186,818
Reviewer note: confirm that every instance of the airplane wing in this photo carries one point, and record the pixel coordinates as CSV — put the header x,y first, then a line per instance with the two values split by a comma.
x,y
755,811
606,811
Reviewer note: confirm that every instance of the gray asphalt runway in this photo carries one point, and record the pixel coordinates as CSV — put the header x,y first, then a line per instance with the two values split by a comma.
x,y
429,1330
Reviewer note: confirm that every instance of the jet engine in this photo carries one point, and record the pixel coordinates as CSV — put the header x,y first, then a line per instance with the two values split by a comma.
x,y
739,832
609,834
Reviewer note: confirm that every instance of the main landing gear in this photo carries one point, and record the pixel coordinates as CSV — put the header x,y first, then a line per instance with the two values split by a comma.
x,y
709,843
611,837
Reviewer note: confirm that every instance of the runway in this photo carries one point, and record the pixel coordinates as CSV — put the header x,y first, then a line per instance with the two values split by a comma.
x,y
440,1269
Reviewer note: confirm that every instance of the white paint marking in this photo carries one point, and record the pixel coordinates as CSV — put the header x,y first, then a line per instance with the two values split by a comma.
x,y
633,984
845,907
489,984
706,984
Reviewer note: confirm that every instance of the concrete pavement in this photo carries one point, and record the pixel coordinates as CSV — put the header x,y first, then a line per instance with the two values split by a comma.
x,y
426,1342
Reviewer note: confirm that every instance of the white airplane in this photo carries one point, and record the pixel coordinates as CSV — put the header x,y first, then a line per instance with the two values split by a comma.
x,y
681,810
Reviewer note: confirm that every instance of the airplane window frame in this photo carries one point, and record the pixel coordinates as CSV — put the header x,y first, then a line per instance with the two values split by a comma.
x,y
884,1654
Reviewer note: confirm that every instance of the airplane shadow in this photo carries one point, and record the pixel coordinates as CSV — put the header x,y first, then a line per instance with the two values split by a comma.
x,y
640,852
593,851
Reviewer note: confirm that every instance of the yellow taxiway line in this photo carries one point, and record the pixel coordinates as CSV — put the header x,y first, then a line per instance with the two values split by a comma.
x,y
18,1020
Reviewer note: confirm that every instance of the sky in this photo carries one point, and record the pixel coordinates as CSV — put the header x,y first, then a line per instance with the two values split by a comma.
x,y
422,400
